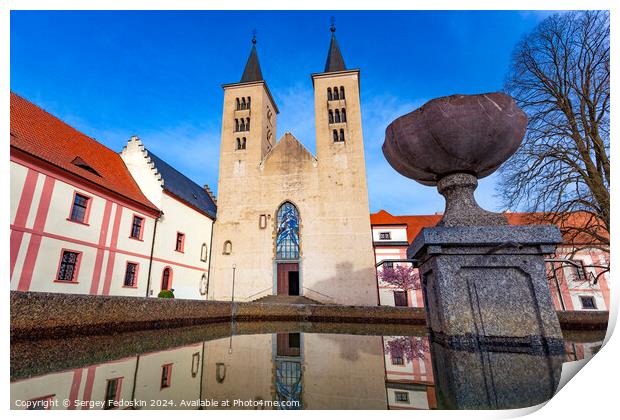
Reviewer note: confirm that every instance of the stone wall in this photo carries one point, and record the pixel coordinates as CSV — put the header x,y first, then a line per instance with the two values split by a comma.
x,y
52,315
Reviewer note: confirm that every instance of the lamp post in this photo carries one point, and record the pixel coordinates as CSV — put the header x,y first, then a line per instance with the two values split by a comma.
x,y
232,309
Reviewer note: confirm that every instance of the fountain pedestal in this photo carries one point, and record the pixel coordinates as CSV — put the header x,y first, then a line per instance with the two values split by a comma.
x,y
487,284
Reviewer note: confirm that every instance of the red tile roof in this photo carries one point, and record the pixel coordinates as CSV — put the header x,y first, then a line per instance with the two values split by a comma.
x,y
384,218
44,136
416,223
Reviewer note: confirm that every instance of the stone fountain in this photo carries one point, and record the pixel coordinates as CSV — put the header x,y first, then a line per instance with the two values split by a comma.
x,y
484,281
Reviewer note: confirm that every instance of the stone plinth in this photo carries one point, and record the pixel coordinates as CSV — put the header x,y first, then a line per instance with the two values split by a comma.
x,y
493,378
487,285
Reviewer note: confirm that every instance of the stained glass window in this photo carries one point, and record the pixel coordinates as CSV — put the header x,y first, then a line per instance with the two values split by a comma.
x,y
287,238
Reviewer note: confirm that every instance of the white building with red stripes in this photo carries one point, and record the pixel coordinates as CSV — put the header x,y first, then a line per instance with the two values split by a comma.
x,y
581,284
81,224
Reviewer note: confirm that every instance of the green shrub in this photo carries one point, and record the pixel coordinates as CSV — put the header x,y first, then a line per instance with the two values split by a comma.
x,y
166,293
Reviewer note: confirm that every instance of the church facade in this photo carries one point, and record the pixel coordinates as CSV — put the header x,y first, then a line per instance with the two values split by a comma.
x,y
290,223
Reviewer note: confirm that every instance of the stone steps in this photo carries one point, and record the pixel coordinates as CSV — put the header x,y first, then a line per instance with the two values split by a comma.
x,y
287,300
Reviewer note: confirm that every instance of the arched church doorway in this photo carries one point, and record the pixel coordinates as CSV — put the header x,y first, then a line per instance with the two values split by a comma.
x,y
287,250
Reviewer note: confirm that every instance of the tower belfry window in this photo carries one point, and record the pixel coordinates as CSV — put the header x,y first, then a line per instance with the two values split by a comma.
x,y
331,116
249,101
243,143
337,116
238,143
329,94
336,96
341,134
335,135
341,92
247,124
238,104
242,125
343,115
243,104
236,124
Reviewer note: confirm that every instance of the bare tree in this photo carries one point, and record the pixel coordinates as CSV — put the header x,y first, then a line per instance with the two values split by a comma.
x,y
560,77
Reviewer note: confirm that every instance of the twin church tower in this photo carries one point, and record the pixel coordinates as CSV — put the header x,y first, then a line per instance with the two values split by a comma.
x,y
290,223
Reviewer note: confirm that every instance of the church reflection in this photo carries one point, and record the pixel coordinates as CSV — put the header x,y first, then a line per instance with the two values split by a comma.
x,y
293,370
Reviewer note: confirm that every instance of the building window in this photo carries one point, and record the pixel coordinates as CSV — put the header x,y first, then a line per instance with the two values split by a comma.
x,y
341,92
69,264
227,250
204,285
262,221
131,275
329,94
336,97
243,105
287,234
237,125
247,124
79,211
203,253
166,375
400,298
180,244
385,235
242,124
41,403
337,116
397,360
330,114
400,396
343,115
195,364
166,278
136,227
587,302
249,102
112,391
335,132
243,143
341,134
238,107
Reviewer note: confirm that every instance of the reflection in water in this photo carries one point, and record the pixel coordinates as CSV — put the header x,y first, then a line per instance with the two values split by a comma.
x,y
293,370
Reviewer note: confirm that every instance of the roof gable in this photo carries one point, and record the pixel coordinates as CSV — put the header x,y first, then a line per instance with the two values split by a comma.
x,y
40,134
183,188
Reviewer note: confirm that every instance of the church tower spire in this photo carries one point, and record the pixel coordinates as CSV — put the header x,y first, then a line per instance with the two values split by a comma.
x,y
334,61
252,72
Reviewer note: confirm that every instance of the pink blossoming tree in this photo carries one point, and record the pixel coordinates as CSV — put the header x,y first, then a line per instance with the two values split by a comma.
x,y
404,277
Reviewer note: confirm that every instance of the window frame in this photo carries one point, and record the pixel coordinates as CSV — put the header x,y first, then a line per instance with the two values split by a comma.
x,y
117,391
168,377
395,361
403,294
227,250
135,276
581,299
47,406
76,267
140,237
170,276
180,249
383,234
89,201
406,394
204,252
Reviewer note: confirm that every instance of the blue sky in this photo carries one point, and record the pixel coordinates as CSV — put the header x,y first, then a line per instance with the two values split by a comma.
x,y
159,74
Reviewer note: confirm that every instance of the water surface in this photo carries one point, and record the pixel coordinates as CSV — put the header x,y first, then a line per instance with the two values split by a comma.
x,y
283,366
